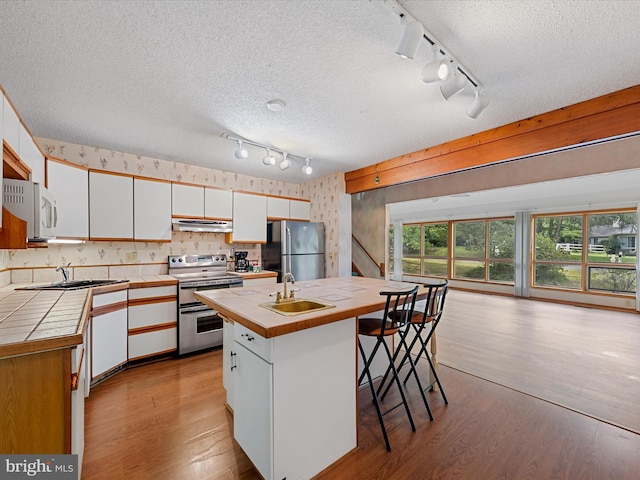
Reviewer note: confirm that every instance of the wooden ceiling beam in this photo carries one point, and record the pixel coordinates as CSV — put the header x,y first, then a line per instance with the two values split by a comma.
x,y
610,115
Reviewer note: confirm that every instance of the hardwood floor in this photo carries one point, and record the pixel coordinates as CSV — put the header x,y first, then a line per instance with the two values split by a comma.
x,y
586,359
167,420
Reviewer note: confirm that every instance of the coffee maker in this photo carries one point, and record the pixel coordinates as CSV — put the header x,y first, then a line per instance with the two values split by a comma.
x,y
242,264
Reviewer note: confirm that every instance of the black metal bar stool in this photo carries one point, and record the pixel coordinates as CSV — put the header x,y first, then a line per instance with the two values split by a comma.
x,y
397,312
431,316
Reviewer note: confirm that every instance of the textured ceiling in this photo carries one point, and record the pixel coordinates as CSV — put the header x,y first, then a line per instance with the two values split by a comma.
x,y
167,79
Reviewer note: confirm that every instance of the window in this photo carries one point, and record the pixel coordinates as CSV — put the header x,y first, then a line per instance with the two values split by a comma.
x,y
482,250
607,263
435,254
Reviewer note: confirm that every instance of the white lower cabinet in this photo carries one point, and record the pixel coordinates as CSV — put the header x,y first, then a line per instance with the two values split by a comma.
x,y
294,398
152,321
253,412
108,332
228,360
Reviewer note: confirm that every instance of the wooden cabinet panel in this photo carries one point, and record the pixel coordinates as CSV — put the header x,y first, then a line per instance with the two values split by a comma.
x,y
110,206
69,185
187,201
218,204
151,210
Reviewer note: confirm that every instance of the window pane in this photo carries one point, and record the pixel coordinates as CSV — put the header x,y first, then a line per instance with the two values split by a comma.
x,y
436,240
470,239
411,240
501,272
612,279
411,265
558,275
468,269
559,238
502,239
435,267
612,237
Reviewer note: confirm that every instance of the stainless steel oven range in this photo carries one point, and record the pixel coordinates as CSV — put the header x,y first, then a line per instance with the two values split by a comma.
x,y
199,326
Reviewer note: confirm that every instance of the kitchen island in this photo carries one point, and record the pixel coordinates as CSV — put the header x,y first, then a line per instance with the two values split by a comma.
x,y
294,377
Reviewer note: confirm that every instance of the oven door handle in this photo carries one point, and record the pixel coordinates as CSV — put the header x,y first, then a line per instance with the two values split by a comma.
x,y
197,309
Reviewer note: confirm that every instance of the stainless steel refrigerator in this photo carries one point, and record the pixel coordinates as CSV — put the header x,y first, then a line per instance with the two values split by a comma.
x,y
295,247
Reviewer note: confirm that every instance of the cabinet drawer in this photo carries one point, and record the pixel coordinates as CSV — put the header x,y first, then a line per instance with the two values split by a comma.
x,y
151,343
152,314
150,292
263,347
109,298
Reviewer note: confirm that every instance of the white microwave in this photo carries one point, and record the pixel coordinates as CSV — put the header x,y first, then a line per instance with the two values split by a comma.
x,y
32,202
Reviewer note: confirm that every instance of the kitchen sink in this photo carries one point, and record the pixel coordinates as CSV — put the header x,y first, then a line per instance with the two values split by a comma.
x,y
296,307
73,285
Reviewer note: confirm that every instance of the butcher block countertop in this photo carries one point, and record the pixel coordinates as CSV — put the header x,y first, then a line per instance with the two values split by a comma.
x,y
352,296
37,320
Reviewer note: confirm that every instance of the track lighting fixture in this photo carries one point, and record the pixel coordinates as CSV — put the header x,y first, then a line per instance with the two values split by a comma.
x,y
410,40
478,106
443,68
285,162
269,159
453,86
241,152
307,169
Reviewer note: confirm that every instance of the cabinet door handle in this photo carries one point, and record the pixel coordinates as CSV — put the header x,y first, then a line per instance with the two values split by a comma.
x,y
248,337
233,361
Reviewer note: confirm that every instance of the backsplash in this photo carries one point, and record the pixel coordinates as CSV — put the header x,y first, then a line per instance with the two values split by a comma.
x,y
127,259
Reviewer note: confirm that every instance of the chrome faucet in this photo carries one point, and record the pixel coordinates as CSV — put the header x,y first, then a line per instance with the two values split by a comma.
x,y
65,272
285,278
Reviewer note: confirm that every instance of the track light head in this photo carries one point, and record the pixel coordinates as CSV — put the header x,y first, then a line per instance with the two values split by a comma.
x,y
410,40
241,152
307,169
269,159
285,162
480,103
438,69
453,86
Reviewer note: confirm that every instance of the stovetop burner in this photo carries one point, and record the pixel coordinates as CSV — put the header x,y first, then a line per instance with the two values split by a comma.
x,y
199,267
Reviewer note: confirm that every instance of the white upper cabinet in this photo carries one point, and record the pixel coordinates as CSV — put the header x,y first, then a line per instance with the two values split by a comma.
x,y
277,208
151,210
249,218
31,155
110,206
11,133
218,204
187,201
299,210
69,185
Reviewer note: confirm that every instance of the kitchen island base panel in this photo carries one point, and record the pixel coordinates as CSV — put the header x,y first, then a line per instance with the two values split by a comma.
x,y
307,405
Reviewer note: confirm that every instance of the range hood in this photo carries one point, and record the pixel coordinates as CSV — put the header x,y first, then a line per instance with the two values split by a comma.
x,y
201,225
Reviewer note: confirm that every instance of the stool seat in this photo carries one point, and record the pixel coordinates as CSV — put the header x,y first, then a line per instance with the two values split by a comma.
x,y
372,327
